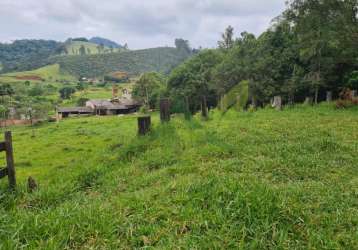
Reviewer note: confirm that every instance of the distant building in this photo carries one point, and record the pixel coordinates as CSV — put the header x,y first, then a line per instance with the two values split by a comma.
x,y
114,106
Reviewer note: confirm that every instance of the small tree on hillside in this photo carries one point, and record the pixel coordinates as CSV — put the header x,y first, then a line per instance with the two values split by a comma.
x,y
66,92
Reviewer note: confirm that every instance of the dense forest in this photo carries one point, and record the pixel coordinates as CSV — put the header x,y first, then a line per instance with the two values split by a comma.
x,y
25,54
310,49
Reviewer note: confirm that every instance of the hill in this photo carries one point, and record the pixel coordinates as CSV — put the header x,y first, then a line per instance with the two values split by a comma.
x,y
133,62
106,42
25,54
87,48
48,73
250,180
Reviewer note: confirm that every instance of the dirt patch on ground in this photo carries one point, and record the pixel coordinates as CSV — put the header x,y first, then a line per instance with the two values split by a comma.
x,y
29,78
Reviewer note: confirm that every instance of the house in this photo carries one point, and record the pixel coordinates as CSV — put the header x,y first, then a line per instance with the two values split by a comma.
x,y
114,106
110,107
66,112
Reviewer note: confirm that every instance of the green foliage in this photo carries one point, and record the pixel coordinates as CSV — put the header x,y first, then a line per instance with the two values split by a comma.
x,y
134,62
26,54
238,96
6,89
36,90
66,92
227,38
149,89
193,79
352,82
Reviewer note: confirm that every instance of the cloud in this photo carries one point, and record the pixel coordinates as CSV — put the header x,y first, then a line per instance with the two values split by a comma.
x,y
139,23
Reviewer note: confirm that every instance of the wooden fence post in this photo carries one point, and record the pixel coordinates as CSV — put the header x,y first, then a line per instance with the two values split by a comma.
x,y
308,101
204,107
165,110
277,103
144,123
354,93
10,160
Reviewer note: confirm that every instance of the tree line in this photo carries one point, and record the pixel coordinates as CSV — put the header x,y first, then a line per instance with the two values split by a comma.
x,y
311,48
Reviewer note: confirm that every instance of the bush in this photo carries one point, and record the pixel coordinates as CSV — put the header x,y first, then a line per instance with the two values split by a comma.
x,y
66,92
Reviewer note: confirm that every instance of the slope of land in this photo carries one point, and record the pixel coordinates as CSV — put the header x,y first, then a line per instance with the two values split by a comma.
x,y
133,62
261,180
48,73
74,48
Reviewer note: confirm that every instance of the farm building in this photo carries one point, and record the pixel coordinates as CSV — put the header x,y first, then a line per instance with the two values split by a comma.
x,y
66,112
114,106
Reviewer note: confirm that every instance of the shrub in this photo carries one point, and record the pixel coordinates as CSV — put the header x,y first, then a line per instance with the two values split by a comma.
x,y
238,96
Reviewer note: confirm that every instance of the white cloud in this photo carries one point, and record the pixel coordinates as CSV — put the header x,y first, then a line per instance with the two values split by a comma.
x,y
139,23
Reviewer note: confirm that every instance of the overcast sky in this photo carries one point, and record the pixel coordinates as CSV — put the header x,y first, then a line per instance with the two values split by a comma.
x,y
140,23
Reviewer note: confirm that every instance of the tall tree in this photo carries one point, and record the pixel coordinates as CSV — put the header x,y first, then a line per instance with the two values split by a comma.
x,y
227,41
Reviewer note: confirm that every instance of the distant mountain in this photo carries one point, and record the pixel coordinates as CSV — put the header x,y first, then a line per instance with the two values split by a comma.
x,y
105,42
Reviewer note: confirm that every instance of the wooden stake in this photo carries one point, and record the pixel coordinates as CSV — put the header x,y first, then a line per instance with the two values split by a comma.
x,y
10,160
165,110
144,124
277,102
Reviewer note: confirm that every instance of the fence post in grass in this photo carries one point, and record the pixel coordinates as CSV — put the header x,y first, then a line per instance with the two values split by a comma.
x,y
309,101
144,123
277,103
165,110
329,96
10,160
204,107
187,108
354,93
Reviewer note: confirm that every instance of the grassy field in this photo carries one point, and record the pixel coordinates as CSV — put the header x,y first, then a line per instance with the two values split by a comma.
x,y
254,180
50,73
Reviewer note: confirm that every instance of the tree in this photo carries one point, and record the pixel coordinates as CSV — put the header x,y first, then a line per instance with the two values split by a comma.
x,y
192,79
227,38
66,92
36,91
149,89
182,45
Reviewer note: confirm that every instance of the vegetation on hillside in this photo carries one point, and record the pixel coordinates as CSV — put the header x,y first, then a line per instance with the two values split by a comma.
x,y
133,62
259,180
310,49
24,55
87,48
149,88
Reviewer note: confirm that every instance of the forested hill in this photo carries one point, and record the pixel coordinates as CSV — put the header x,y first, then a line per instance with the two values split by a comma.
x,y
85,58
161,59
26,54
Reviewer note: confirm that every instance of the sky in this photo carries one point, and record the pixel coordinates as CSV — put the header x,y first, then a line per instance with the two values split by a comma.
x,y
140,23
